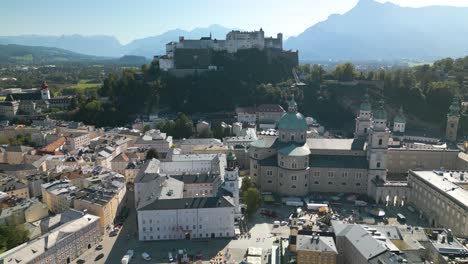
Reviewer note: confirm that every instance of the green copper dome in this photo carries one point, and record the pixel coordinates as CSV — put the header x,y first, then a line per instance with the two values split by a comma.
x,y
454,109
400,117
380,113
231,156
292,120
366,105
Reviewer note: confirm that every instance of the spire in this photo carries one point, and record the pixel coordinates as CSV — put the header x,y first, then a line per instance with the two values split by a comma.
x,y
366,105
381,113
292,105
44,85
454,109
400,117
231,160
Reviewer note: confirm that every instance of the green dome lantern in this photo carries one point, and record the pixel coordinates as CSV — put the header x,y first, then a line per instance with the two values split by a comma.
x,y
292,120
400,117
380,113
366,105
454,109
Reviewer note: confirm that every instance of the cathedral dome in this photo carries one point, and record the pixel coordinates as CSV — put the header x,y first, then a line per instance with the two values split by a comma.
x,y
292,120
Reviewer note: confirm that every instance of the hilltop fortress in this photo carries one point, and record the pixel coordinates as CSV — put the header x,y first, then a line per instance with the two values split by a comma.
x,y
190,54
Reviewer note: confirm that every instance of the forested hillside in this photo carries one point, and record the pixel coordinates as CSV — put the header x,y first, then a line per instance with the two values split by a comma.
x,y
425,92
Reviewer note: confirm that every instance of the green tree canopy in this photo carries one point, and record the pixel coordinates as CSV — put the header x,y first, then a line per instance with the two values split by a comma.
x,y
252,199
152,154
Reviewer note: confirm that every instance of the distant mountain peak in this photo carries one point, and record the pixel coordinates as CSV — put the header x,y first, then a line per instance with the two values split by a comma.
x,y
374,31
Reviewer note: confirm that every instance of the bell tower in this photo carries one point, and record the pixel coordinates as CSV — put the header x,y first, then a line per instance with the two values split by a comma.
x,y
453,117
364,118
231,180
45,93
377,146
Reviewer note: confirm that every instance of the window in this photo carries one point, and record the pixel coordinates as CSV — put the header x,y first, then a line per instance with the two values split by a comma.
x,y
330,183
330,174
269,181
316,182
269,172
365,130
343,183
358,184
292,137
144,229
293,178
255,155
344,175
378,164
380,142
294,186
302,137
282,136
281,163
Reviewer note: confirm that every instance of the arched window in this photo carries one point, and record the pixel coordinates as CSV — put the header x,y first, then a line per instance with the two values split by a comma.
x,y
380,142
292,137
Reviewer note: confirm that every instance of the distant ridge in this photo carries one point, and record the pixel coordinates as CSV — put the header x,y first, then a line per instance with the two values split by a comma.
x,y
20,54
376,31
109,46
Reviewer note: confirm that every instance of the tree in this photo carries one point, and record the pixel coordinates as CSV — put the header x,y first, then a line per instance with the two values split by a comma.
x,y
252,199
146,128
206,133
246,184
152,154
345,72
12,236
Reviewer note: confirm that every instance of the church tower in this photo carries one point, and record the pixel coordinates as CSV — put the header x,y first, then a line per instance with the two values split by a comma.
x,y
377,146
453,117
231,181
399,122
364,118
45,93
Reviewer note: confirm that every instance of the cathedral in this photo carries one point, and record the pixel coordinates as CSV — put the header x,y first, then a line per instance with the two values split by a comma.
x,y
373,163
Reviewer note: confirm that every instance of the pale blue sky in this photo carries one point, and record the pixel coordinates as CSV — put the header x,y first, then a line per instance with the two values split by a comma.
x,y
131,19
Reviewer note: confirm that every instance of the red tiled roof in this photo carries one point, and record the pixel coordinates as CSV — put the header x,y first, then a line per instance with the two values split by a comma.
x,y
53,146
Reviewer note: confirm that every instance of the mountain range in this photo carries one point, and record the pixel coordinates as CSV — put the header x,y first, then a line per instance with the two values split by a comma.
x,y
20,54
369,31
376,31
109,46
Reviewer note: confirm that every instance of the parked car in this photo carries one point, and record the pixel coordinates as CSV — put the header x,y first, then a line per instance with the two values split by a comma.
x,y
170,257
113,233
146,256
99,247
98,257
80,261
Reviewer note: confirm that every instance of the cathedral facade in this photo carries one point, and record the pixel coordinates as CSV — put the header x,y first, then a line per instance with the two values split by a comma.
x,y
291,164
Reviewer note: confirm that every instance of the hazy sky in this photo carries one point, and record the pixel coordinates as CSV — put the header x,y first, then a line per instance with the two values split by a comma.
x,y
130,19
